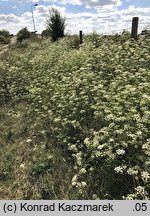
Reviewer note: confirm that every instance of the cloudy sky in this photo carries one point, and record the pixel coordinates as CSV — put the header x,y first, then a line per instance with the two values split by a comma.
x,y
102,16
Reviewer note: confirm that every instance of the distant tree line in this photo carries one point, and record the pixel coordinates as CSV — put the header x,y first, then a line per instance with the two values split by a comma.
x,y
55,28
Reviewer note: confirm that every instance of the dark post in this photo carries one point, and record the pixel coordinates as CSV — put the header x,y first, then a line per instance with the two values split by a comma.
x,y
134,32
81,37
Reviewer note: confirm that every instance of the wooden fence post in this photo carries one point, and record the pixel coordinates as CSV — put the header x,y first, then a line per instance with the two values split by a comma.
x,y
134,32
81,37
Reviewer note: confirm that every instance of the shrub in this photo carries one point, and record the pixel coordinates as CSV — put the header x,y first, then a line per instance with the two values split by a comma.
x,y
23,34
45,33
4,37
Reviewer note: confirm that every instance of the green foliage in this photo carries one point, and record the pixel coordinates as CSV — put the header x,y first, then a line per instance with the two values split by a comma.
x,y
45,33
4,37
74,41
55,24
23,34
95,39
146,32
93,104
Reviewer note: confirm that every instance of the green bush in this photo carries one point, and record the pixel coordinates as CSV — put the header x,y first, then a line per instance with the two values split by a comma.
x,y
4,37
94,104
23,34
45,33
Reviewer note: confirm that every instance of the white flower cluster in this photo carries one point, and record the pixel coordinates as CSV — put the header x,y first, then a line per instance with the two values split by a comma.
x,y
75,182
111,140
83,184
95,142
145,176
129,197
119,169
110,117
145,146
56,120
91,169
50,157
73,148
82,171
80,185
22,166
112,125
86,141
79,158
95,197
140,190
131,171
29,140
101,147
120,151
139,133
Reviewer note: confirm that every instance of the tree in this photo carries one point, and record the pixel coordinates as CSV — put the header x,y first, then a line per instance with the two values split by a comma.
x,y
4,36
55,23
23,34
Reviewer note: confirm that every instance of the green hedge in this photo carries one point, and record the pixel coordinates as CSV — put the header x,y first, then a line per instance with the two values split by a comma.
x,y
94,102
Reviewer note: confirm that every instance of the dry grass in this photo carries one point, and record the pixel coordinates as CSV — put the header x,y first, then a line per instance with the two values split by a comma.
x,y
29,170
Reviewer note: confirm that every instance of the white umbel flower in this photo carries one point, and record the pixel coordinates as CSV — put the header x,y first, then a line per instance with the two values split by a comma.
x,y
119,169
83,184
75,178
145,176
82,171
22,166
120,151
29,140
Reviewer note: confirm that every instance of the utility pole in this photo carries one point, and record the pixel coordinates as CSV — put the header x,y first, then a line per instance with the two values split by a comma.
x,y
33,17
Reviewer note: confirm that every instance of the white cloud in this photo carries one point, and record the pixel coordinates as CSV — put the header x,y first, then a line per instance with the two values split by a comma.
x,y
90,3
100,3
73,2
10,18
21,1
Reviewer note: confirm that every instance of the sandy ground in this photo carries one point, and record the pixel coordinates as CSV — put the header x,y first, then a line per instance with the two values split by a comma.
x,y
6,47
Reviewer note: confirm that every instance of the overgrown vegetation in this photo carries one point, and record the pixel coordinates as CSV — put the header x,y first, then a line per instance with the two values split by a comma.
x,y
75,122
23,34
4,36
45,33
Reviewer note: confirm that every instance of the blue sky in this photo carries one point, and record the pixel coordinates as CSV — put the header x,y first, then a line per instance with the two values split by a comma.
x,y
102,16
